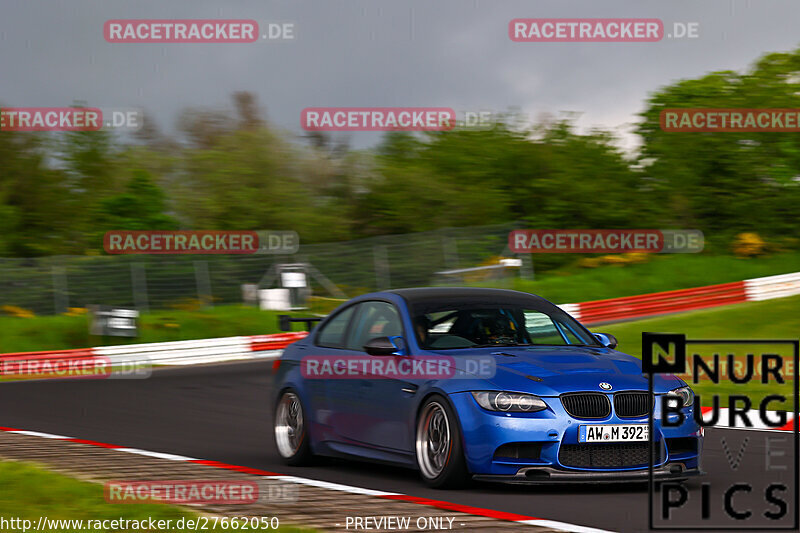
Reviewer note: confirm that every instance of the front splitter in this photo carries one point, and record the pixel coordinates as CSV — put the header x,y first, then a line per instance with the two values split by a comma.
x,y
548,475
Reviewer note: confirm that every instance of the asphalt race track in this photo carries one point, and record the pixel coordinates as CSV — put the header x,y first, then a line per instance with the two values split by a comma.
x,y
220,413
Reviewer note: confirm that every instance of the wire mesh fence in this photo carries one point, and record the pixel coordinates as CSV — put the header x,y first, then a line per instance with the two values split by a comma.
x,y
51,285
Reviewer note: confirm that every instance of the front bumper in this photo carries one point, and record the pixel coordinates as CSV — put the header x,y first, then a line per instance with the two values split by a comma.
x,y
548,475
552,431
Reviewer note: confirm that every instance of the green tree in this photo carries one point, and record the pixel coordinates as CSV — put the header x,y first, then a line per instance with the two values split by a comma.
x,y
726,183
142,206
33,199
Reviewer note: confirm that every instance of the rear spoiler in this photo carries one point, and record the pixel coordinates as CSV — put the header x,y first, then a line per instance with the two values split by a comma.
x,y
285,322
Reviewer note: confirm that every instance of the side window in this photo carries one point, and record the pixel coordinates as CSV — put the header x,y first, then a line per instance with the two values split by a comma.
x,y
569,333
541,329
332,333
375,319
545,330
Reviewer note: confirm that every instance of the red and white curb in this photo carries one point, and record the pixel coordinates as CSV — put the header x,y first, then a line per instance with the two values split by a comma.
x,y
447,506
677,301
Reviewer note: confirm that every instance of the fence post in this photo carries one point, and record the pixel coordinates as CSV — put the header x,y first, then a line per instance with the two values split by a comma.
x,y
60,294
139,286
450,250
203,283
380,258
526,270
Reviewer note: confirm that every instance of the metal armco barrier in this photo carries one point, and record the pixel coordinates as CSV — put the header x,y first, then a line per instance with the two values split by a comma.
x,y
175,353
773,287
661,303
597,312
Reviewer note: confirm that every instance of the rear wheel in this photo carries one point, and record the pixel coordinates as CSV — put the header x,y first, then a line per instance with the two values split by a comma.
x,y
440,453
291,435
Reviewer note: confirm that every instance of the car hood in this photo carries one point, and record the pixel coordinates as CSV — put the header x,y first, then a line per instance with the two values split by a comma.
x,y
554,370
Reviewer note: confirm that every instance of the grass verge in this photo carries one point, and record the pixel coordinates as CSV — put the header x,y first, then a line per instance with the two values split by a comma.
x,y
64,332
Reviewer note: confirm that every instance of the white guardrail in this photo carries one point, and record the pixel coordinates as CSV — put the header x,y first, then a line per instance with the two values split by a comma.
x,y
191,352
781,286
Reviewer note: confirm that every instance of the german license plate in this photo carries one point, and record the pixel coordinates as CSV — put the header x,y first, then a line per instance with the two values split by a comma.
x,y
612,432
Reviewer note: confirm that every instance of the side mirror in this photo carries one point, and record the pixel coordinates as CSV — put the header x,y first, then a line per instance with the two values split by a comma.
x,y
382,346
607,339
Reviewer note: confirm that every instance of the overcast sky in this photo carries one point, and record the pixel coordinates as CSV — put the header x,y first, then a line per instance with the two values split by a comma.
x,y
449,53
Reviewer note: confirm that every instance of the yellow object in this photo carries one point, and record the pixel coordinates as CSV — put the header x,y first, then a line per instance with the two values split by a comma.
x,y
748,245
18,312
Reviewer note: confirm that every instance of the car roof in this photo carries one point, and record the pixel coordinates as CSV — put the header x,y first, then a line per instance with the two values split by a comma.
x,y
424,296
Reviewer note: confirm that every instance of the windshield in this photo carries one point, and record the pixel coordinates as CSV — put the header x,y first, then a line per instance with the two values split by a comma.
x,y
498,326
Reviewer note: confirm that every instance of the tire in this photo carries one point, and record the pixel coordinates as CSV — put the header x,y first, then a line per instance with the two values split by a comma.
x,y
439,447
291,430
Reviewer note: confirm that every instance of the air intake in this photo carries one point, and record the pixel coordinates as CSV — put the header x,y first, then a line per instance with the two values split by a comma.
x,y
608,455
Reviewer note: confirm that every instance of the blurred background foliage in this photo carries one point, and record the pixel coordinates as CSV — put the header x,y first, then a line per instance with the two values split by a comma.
x,y
59,193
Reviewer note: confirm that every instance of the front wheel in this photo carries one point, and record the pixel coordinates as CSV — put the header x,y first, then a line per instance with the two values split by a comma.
x,y
291,435
440,453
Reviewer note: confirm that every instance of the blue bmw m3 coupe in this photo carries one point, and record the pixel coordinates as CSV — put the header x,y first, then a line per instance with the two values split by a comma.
x,y
470,383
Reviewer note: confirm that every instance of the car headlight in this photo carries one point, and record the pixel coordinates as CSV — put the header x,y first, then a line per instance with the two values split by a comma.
x,y
684,393
509,402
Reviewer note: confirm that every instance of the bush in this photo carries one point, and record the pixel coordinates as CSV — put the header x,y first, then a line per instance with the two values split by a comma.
x,y
18,312
748,245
